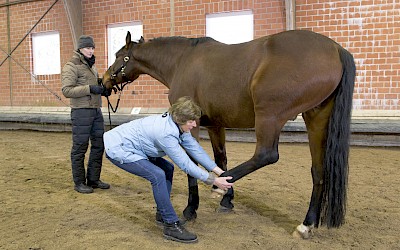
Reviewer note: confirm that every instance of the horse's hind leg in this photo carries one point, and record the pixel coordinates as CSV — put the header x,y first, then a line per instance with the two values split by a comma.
x,y
316,121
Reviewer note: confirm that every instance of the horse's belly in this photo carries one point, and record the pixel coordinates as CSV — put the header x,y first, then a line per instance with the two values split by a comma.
x,y
230,119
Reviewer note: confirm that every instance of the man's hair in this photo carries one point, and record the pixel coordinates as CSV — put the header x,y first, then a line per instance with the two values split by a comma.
x,y
184,109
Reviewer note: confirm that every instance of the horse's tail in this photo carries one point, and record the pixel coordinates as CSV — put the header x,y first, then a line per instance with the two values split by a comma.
x,y
333,207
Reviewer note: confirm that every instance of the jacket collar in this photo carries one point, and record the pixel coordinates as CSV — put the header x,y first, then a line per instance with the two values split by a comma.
x,y
166,114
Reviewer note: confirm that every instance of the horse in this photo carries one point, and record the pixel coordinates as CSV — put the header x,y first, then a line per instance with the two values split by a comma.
x,y
259,84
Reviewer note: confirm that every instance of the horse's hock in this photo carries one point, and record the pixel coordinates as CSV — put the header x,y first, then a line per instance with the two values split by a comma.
x,y
366,130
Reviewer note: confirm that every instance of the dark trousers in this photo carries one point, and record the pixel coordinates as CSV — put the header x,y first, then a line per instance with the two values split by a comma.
x,y
87,124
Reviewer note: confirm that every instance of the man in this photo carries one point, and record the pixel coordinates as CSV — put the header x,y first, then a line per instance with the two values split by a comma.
x,y
80,83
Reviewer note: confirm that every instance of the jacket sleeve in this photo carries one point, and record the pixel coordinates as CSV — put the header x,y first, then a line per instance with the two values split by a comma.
x,y
69,79
194,149
170,145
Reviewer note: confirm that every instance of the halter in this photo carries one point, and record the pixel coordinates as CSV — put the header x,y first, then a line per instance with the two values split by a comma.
x,y
117,87
122,71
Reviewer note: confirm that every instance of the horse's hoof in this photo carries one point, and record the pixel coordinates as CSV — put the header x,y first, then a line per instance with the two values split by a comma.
x,y
190,217
222,209
189,214
303,232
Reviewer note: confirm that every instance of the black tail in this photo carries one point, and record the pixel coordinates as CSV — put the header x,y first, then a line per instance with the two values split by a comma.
x,y
333,207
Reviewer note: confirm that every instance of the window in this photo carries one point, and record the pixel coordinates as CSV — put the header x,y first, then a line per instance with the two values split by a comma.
x,y
117,34
230,27
46,53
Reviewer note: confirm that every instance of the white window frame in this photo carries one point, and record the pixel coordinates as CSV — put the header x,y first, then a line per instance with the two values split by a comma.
x,y
231,27
116,34
46,53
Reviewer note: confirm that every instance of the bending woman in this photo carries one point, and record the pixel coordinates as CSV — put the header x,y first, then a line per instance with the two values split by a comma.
x,y
138,147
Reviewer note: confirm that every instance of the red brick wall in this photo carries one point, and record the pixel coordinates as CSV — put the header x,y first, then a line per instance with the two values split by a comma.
x,y
25,90
369,29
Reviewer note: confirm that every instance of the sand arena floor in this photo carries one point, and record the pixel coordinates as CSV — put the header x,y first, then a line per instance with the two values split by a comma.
x,y
40,210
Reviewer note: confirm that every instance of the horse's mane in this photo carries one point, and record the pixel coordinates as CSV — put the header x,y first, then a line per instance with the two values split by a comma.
x,y
193,41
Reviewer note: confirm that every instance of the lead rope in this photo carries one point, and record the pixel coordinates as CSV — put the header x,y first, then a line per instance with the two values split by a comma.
x,y
109,105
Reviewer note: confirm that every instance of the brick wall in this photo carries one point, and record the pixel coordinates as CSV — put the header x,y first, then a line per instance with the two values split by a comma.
x,y
371,31
368,29
25,90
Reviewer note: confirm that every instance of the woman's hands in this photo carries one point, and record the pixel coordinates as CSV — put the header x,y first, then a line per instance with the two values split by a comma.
x,y
222,183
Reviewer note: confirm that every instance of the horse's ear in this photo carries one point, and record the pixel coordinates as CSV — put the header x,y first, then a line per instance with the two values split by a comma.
x,y
128,39
141,40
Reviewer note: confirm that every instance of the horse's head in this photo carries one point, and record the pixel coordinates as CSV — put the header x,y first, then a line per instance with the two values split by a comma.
x,y
123,69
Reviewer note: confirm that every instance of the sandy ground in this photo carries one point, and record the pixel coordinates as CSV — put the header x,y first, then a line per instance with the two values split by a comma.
x,y
40,210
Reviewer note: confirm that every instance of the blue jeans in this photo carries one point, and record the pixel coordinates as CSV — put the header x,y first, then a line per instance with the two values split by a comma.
x,y
160,173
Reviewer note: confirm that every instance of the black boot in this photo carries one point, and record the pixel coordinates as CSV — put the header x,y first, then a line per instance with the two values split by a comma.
x,y
82,188
98,184
175,231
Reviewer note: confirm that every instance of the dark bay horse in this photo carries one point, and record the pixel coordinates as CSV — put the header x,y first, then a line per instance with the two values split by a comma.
x,y
259,84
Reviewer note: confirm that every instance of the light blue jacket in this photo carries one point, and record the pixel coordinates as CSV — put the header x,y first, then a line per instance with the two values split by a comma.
x,y
157,136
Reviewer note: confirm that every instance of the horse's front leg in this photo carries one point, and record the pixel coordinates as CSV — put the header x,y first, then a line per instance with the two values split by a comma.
x,y
193,201
217,138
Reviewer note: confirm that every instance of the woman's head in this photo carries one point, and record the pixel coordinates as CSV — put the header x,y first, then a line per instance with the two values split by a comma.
x,y
183,110
86,46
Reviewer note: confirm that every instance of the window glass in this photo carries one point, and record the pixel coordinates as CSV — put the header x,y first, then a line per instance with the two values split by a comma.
x,y
46,53
116,34
230,27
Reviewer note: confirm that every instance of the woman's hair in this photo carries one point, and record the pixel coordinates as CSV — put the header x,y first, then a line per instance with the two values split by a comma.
x,y
184,109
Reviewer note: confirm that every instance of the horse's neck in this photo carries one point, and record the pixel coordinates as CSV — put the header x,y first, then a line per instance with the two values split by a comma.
x,y
160,60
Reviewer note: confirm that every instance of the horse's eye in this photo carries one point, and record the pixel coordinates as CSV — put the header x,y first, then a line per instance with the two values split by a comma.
x,y
126,58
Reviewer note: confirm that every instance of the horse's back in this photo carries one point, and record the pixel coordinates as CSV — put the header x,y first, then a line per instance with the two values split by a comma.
x,y
229,80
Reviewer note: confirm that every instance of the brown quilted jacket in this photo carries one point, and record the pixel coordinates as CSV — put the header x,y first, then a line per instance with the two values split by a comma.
x,y
76,77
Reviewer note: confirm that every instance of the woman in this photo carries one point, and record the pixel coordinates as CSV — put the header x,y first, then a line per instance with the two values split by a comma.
x,y
80,83
138,147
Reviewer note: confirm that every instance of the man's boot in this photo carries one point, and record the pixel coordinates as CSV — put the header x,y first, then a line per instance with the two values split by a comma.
x,y
175,231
